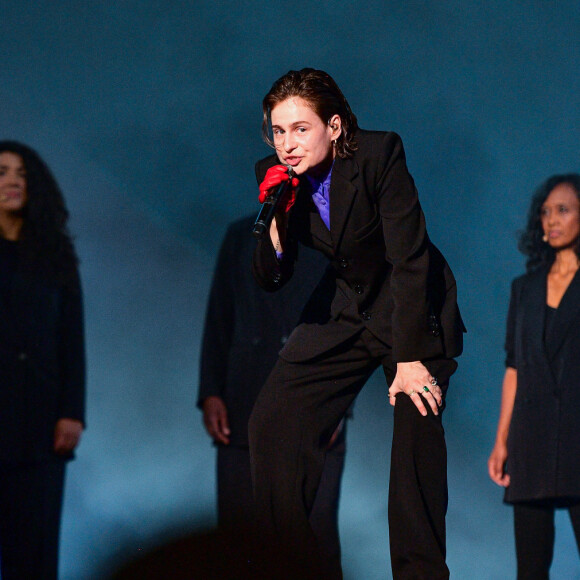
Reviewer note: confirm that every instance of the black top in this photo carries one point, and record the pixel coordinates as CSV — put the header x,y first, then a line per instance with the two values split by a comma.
x,y
42,358
550,315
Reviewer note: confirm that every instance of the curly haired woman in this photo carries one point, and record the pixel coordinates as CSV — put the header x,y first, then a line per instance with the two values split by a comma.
x,y
42,362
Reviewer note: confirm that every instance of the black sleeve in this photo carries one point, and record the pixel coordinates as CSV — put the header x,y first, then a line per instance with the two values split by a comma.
x,y
219,323
407,249
270,273
510,340
72,354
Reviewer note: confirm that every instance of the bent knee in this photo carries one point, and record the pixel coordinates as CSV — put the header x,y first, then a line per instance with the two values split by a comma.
x,y
261,427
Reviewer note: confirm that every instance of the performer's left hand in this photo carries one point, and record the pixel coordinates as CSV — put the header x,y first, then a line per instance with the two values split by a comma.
x,y
411,379
67,434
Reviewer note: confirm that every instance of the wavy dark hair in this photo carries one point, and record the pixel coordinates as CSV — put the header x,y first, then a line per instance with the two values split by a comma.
x,y
45,244
530,243
322,93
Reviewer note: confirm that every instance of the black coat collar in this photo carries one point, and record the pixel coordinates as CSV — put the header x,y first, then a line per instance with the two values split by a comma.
x,y
342,196
566,317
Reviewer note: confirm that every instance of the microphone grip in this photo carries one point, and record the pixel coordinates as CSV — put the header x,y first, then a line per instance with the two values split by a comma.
x,y
269,207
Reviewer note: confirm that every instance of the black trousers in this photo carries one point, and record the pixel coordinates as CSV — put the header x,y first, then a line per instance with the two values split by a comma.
x,y
236,499
30,512
535,534
292,421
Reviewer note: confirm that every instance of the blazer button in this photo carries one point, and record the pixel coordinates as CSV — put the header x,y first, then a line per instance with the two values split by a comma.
x,y
22,356
366,315
359,289
434,329
343,263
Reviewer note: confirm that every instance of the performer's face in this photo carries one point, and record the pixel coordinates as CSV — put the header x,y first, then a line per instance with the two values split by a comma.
x,y
12,183
301,138
560,215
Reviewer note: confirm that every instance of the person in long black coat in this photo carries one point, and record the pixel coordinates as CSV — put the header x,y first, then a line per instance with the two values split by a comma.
x,y
245,327
389,299
537,448
42,363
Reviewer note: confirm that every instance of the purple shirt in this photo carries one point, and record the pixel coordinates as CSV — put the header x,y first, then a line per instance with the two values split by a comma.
x,y
320,197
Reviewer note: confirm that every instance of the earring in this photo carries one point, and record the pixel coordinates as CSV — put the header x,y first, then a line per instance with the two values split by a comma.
x,y
545,238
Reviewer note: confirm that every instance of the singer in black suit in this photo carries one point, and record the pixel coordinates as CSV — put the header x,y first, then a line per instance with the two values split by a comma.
x,y
535,456
42,363
388,299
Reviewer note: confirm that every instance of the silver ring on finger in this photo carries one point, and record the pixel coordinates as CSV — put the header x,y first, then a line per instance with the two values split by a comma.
x,y
433,381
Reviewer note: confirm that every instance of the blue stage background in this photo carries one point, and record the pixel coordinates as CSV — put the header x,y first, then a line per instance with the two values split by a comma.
x,y
149,115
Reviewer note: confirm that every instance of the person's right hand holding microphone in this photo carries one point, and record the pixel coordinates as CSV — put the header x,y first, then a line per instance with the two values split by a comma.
x,y
275,176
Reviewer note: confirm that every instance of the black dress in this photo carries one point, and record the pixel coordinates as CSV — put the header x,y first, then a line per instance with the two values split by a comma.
x,y
543,345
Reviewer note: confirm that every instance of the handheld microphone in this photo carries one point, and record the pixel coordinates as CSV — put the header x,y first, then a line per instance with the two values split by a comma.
x,y
268,209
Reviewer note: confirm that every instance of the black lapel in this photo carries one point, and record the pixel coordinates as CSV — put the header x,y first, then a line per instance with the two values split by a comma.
x,y
342,196
535,309
307,220
566,317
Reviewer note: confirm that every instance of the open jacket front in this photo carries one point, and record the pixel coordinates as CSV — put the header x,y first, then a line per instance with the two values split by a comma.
x,y
544,439
384,273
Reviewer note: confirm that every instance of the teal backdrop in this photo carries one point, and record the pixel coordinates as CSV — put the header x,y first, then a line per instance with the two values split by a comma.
x,y
148,112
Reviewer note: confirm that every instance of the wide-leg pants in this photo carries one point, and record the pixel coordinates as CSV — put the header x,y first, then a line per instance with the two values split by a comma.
x,y
236,500
293,418
30,512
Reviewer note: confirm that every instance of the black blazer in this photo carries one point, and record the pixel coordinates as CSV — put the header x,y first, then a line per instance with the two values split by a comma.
x,y
42,363
245,327
544,438
385,274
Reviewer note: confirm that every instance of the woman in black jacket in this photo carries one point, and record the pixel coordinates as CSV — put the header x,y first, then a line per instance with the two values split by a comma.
x,y
42,362
536,452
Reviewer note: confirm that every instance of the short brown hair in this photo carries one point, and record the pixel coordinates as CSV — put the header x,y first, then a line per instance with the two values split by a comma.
x,y
322,93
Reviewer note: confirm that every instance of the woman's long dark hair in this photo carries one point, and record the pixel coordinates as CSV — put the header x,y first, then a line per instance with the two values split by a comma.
x,y
45,244
322,93
531,244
